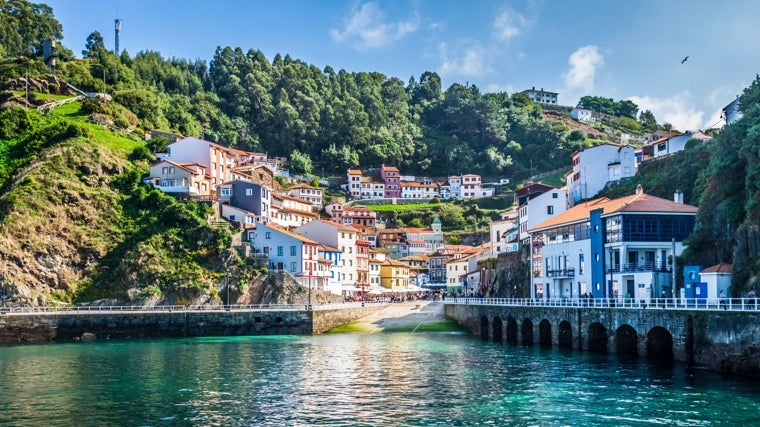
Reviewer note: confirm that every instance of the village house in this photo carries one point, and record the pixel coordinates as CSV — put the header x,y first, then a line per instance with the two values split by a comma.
x,y
621,248
217,159
536,203
390,175
341,237
244,202
394,275
313,195
595,167
504,233
670,144
332,259
291,212
287,251
180,178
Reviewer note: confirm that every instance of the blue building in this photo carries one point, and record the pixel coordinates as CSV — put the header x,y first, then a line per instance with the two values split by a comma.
x,y
621,248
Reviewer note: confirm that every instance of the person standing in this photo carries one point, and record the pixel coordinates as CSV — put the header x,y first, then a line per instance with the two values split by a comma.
x,y
722,299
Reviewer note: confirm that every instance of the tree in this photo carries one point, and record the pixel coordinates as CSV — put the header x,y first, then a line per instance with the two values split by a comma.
x,y
94,46
24,26
647,120
300,163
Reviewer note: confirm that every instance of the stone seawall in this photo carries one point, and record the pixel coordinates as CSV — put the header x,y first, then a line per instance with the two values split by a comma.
x,y
42,327
727,341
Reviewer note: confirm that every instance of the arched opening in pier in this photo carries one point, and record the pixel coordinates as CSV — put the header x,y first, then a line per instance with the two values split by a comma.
x,y
544,333
565,334
497,329
597,338
484,327
511,330
660,344
626,340
527,332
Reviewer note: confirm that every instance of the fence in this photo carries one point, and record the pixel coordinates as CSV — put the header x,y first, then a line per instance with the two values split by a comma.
x,y
729,304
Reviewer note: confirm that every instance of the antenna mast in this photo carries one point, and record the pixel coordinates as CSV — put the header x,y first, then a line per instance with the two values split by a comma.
x,y
117,30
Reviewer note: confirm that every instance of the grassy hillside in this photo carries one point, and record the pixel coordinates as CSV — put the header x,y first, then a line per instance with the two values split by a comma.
x,y
77,224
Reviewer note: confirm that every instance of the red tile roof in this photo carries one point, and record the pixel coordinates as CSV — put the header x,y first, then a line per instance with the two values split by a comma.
x,y
718,268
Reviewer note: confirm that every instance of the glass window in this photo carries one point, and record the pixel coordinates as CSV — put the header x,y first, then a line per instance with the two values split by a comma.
x,y
280,251
293,250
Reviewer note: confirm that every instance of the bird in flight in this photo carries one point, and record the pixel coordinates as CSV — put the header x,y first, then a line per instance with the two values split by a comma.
x,y
684,60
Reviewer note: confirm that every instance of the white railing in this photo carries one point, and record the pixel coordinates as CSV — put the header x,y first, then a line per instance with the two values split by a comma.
x,y
729,304
118,309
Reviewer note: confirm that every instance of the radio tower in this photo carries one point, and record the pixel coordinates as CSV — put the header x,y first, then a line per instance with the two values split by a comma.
x,y
117,30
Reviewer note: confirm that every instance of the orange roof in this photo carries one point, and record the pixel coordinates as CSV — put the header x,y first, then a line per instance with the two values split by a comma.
x,y
394,263
328,248
718,268
639,202
290,233
354,172
391,168
298,211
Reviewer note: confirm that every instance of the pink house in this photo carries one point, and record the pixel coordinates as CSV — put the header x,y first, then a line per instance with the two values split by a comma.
x,y
392,179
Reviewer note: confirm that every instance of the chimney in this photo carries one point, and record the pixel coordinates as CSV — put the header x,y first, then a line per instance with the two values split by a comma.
x,y
678,196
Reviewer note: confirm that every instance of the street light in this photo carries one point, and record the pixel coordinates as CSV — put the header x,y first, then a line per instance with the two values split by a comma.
x,y
309,286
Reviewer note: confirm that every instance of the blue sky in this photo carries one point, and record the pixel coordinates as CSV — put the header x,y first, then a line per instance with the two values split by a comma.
x,y
616,49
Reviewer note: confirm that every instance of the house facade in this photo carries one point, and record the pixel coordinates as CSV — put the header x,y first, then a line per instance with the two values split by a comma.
x,y
541,96
180,178
390,175
338,236
619,249
538,206
218,160
354,189
287,251
595,167
247,197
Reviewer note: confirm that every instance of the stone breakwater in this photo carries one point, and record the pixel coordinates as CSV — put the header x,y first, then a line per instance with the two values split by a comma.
x,y
67,326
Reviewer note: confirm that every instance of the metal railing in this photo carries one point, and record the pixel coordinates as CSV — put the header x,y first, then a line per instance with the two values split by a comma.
x,y
714,304
123,309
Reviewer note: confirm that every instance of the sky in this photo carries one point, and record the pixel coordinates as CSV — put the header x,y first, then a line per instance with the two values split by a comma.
x,y
614,49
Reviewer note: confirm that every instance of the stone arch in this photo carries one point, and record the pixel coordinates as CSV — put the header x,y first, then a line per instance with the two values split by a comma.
x,y
544,333
484,327
597,338
565,334
660,344
527,332
497,329
626,340
511,330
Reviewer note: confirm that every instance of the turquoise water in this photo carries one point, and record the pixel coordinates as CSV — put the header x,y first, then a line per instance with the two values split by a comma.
x,y
436,379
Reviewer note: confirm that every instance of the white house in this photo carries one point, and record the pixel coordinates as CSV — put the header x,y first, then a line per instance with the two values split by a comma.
x,y
287,251
218,160
504,233
540,208
583,114
718,278
671,144
334,268
542,96
337,236
419,190
185,178
595,167
311,194
354,189
730,112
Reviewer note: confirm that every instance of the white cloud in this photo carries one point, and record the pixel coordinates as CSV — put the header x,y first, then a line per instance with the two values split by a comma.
x,y
584,63
471,61
366,27
508,25
677,110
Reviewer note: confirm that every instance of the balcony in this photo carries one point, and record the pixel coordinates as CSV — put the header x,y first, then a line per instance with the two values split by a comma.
x,y
638,267
564,273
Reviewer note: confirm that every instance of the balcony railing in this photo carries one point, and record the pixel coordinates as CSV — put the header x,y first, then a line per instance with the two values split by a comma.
x,y
635,267
567,272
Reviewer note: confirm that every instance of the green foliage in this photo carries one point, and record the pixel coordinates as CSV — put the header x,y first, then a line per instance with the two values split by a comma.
x,y
299,163
13,121
622,108
24,26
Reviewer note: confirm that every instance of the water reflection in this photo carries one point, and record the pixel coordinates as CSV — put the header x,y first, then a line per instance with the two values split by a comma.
x,y
355,379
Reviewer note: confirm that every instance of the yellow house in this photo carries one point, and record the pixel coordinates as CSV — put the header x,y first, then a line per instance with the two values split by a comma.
x,y
394,275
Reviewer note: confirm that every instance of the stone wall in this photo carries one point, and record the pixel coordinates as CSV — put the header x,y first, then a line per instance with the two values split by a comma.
x,y
324,320
727,341
67,326
16,328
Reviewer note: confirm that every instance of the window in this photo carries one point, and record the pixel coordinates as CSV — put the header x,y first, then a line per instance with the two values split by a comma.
x,y
293,250
279,251
293,267
249,191
226,191
268,235
555,195
550,210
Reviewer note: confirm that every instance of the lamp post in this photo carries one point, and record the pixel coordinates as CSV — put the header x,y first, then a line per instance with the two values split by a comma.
x,y
609,288
309,286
